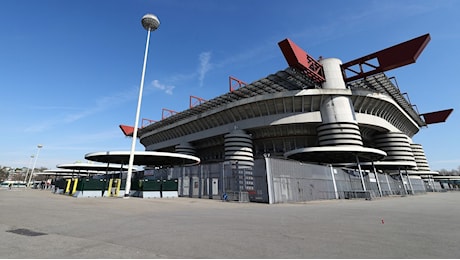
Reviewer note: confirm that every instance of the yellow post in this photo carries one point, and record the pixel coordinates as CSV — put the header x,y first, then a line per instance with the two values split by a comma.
x,y
118,187
109,189
67,186
74,189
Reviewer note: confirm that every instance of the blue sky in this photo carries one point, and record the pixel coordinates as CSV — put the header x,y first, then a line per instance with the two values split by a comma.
x,y
70,70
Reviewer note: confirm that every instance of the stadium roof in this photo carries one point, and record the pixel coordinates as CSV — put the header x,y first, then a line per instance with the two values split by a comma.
x,y
381,83
287,80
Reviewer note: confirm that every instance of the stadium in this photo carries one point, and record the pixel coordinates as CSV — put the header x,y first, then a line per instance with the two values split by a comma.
x,y
318,129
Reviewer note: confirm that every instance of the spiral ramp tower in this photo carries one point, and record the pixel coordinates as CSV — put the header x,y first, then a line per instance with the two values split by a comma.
x,y
238,148
339,136
423,167
185,148
398,149
239,155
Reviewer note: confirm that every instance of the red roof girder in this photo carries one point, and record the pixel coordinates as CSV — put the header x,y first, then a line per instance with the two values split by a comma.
x,y
390,58
298,58
127,130
437,116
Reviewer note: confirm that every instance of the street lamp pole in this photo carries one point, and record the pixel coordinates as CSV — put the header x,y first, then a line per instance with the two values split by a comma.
x,y
28,168
35,162
150,22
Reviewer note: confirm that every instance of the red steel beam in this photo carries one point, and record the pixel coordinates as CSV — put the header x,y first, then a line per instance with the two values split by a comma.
x,y
437,117
146,122
196,101
298,58
390,58
165,113
235,83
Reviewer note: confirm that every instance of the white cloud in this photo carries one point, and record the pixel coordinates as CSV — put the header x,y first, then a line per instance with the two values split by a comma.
x,y
166,88
205,66
101,104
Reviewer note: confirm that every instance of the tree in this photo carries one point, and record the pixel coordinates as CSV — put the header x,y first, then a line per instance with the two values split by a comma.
x,y
453,172
3,173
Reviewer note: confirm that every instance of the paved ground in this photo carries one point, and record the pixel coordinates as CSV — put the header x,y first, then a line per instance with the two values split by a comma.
x,y
422,226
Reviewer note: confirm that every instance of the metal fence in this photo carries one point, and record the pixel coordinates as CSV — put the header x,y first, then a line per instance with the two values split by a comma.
x,y
275,180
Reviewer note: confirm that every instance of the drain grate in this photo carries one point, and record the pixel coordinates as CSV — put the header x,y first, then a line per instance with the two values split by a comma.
x,y
26,232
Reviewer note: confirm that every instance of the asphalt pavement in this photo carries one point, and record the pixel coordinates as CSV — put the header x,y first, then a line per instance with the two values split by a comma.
x,y
40,224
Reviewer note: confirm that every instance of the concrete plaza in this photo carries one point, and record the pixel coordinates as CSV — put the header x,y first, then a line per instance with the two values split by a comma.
x,y
39,224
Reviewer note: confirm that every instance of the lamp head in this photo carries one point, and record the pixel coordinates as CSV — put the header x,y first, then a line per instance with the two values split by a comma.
x,y
150,22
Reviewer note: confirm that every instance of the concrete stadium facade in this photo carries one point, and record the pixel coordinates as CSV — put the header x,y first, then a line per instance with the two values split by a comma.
x,y
365,123
279,114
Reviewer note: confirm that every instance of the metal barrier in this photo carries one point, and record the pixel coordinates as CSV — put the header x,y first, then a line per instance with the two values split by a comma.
x,y
357,194
240,196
